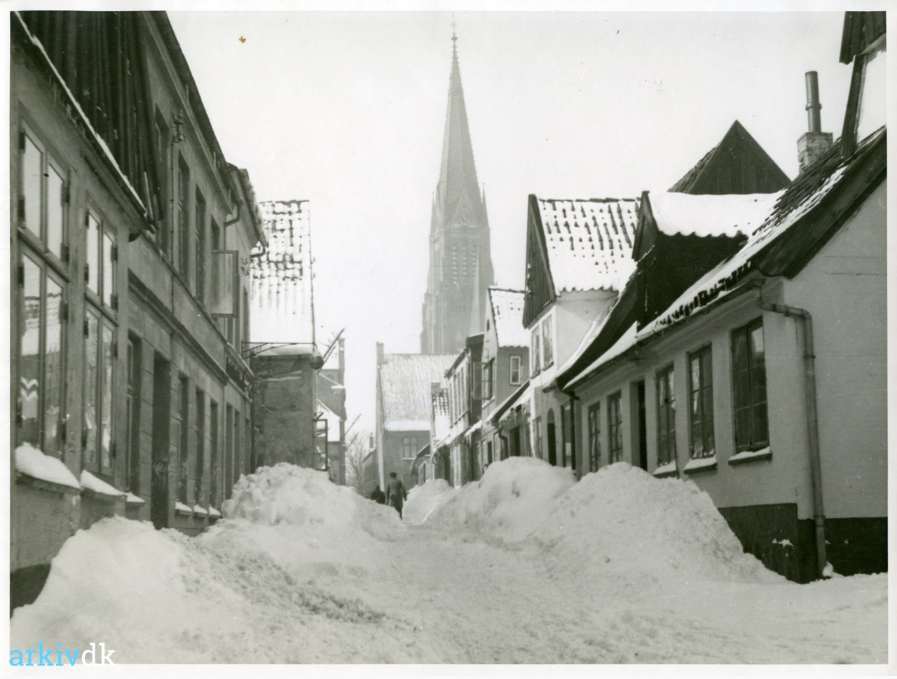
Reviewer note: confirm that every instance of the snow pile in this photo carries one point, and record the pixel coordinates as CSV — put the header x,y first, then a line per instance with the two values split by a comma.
x,y
622,518
424,500
38,465
508,502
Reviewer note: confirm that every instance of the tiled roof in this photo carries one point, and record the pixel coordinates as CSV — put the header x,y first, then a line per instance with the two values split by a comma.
x,y
280,274
405,381
507,310
682,214
589,241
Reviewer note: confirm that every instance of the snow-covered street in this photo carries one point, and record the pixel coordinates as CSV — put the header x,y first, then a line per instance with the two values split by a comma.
x,y
524,566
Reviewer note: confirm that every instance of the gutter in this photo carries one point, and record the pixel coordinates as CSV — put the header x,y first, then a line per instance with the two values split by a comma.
x,y
805,320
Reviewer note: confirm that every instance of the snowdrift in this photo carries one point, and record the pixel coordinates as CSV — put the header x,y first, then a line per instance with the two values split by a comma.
x,y
619,518
425,499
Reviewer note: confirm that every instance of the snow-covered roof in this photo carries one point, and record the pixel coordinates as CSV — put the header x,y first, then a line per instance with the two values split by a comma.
x,y
97,485
441,425
507,310
333,421
710,215
626,341
589,241
38,465
517,397
405,381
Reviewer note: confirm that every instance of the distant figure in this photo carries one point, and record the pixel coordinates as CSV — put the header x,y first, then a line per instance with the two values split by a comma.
x,y
378,496
395,493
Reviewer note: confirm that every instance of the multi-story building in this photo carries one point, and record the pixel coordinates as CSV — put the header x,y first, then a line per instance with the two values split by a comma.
x,y
462,382
121,376
768,366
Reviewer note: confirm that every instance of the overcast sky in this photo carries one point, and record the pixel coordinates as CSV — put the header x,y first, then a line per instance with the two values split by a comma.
x,y
347,110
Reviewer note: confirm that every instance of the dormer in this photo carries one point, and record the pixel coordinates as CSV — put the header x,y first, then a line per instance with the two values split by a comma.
x,y
863,44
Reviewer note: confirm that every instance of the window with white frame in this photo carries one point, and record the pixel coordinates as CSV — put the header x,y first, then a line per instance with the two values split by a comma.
x,y
515,376
547,341
700,403
666,417
535,349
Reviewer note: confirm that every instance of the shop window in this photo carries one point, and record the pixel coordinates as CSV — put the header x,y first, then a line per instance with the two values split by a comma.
x,y
97,436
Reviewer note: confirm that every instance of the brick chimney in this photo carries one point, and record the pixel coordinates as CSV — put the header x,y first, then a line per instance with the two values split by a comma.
x,y
814,143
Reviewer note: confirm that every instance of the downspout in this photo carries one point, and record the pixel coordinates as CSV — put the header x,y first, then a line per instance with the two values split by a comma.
x,y
806,322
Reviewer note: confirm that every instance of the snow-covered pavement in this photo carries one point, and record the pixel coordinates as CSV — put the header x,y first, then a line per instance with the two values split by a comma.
x,y
525,566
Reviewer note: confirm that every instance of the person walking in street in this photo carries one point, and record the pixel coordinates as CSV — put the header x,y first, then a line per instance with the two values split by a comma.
x,y
395,493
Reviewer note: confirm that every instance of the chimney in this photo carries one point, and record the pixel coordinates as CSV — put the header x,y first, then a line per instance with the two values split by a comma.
x,y
813,144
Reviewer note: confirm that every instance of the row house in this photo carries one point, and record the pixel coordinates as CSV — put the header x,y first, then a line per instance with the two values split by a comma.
x,y
505,378
128,231
761,375
463,387
403,409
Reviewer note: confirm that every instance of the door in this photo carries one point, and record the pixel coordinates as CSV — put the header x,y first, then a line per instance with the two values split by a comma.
x,y
161,431
552,439
642,426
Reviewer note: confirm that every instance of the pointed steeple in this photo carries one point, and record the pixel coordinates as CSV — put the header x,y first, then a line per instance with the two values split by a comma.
x,y
458,188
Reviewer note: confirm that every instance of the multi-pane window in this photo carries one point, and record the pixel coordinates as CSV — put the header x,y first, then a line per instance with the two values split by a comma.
x,y
132,419
515,370
749,379
97,436
547,344
215,478
666,416
102,256
408,451
535,350
700,403
40,361
42,197
199,432
183,437
594,431
162,151
487,379
183,219
614,428
228,451
199,246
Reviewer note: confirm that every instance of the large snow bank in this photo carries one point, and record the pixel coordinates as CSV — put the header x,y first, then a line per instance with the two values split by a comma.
x,y
508,502
423,500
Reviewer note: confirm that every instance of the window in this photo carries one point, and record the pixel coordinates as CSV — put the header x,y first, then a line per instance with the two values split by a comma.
x,y
749,381
238,453
408,452
515,371
39,408
42,196
162,146
594,426
666,417
214,467
537,431
614,428
487,379
182,439
547,348
535,350
199,251
199,430
132,419
102,257
228,451
700,403
488,452
97,438
247,448
476,383
183,218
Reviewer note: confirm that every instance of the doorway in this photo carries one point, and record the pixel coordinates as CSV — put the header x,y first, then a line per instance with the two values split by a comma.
x,y
552,439
642,426
161,435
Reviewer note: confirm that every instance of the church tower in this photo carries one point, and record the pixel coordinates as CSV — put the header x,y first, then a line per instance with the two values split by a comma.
x,y
460,259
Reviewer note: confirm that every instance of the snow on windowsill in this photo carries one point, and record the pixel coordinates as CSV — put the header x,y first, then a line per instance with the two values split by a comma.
x,y
38,465
98,486
132,499
667,469
199,510
700,464
750,455
181,508
214,512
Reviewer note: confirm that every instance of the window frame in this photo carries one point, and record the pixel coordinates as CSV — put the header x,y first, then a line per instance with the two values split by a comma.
x,y
665,403
182,217
535,349
593,418
199,245
100,391
106,301
132,418
547,346
615,427
511,362
199,433
754,443
704,419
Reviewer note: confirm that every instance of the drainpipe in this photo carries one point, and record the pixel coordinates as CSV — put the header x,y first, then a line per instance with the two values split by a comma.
x,y
806,322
